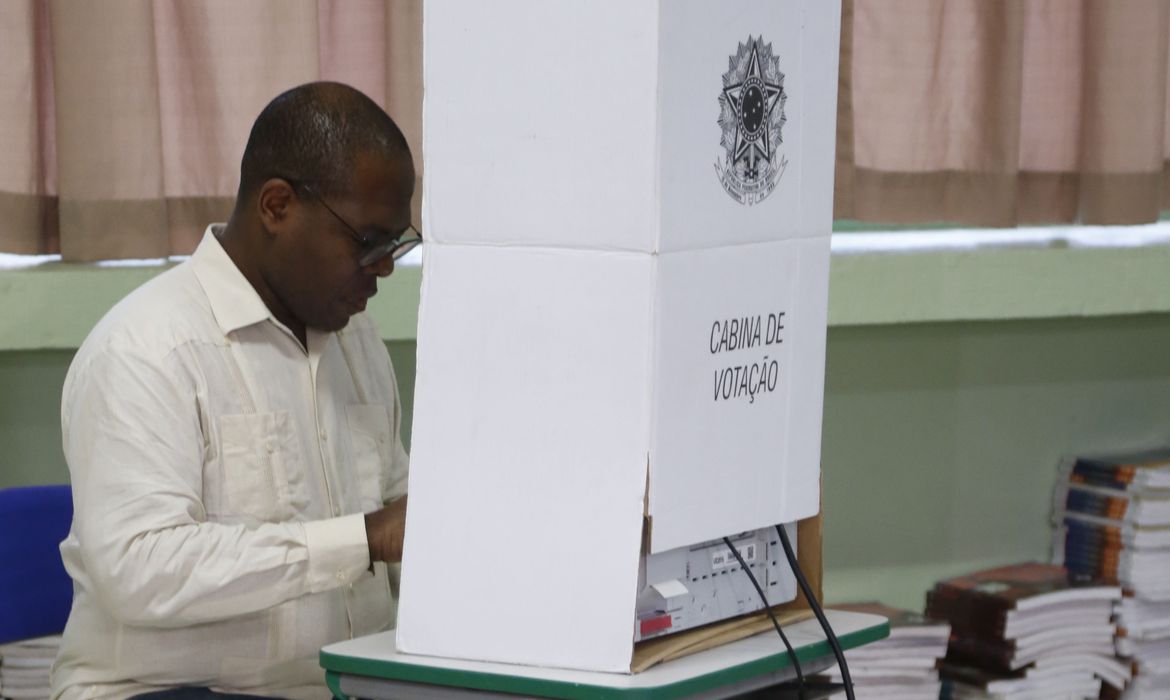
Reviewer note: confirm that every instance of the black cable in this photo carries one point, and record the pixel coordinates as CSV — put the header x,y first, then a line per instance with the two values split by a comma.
x,y
772,616
816,608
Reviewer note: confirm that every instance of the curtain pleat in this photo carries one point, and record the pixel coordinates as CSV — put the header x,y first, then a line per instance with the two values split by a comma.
x,y
1124,103
844,169
404,89
28,206
109,141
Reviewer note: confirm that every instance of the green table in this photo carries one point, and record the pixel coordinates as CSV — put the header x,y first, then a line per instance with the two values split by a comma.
x,y
369,667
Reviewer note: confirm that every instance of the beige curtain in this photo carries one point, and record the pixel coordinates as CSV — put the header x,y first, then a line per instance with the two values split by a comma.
x,y
1001,112
122,122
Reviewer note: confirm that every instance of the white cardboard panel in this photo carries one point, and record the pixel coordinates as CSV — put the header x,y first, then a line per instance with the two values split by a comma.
x,y
582,245
735,449
529,450
698,42
540,122
595,124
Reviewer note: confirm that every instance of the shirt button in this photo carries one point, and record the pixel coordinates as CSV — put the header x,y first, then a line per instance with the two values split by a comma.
x,y
324,437
336,511
340,576
270,446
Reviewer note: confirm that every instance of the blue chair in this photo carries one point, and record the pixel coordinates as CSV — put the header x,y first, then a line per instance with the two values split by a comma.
x,y
35,591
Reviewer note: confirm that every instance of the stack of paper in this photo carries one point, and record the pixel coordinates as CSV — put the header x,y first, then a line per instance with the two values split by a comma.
x,y
1143,635
902,666
24,668
1112,519
1027,631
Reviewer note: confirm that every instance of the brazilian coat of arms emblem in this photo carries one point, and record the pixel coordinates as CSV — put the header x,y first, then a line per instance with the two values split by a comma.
x,y
751,118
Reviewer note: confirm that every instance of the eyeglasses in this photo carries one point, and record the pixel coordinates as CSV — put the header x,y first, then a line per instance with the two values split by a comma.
x,y
372,252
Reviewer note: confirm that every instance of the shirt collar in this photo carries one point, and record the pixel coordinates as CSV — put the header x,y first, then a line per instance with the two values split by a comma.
x,y
234,302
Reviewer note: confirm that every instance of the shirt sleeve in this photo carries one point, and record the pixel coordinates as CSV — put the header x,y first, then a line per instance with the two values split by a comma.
x,y
135,447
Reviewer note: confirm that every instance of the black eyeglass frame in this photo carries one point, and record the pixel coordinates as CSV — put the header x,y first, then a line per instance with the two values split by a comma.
x,y
372,253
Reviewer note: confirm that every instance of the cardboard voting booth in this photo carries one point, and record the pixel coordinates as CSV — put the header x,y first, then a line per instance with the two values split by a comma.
x,y
622,326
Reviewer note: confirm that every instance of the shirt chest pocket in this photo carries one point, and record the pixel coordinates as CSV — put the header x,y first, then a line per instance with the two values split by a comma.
x,y
263,470
369,441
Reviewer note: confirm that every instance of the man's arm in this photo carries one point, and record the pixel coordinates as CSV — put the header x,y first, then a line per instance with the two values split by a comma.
x,y
385,529
135,448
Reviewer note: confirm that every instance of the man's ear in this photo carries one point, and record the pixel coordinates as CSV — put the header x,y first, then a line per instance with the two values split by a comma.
x,y
275,204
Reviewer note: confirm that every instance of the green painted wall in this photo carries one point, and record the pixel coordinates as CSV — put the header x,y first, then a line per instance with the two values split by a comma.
x,y
30,417
940,439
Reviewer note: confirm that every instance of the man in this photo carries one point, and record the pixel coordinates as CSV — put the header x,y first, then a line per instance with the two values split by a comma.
x,y
231,429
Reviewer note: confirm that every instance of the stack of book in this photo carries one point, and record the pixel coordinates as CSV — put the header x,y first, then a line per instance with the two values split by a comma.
x,y
24,668
1026,631
903,666
1112,521
1143,636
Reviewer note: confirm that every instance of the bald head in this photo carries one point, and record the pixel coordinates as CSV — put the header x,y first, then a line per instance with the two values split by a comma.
x,y
314,134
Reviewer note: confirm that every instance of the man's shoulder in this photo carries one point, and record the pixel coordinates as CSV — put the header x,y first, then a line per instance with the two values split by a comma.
x,y
152,320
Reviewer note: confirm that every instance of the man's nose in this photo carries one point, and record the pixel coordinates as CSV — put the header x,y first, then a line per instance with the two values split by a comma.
x,y
383,267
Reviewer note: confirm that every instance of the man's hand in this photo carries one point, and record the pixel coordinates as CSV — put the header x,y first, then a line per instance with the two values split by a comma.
x,y
384,531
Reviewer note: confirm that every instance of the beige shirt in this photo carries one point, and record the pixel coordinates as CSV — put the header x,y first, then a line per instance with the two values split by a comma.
x,y
219,475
